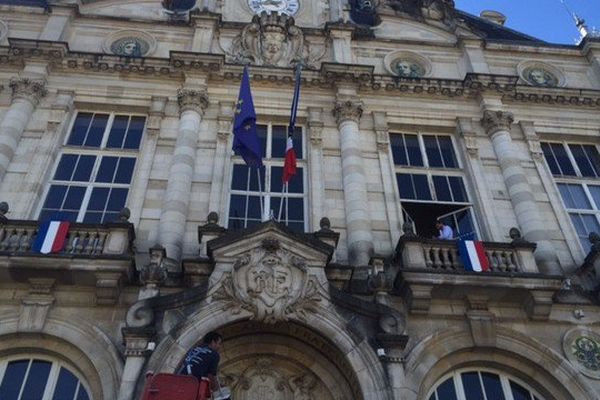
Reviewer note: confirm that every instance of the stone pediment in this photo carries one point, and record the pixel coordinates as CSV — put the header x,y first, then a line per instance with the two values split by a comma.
x,y
404,29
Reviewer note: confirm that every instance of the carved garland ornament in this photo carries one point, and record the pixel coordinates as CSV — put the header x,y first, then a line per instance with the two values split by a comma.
x,y
272,284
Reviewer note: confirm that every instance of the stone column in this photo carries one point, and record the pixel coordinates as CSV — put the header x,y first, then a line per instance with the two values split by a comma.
x,y
173,217
388,175
358,222
137,350
497,125
26,95
219,171
315,159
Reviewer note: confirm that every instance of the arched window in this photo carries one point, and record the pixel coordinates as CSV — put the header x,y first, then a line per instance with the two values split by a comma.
x,y
469,384
40,379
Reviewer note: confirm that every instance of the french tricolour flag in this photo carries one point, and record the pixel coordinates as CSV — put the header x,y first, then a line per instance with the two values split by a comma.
x,y
51,237
473,255
289,166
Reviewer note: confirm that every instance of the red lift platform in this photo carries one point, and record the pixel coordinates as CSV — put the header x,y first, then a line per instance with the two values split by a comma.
x,y
175,387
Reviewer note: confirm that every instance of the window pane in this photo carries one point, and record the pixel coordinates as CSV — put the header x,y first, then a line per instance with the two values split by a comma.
x,y
405,186
574,196
94,136
549,156
83,171
125,170
116,200
279,141
93,217
107,169
66,166
519,392
293,206
82,395
472,386
562,159
295,185
237,206
134,134
65,386
13,379
442,190
254,207
110,217
458,189
465,226
117,132
447,152
421,187
433,152
594,157
261,131
239,181
55,196
492,385
36,380
398,149
446,390
414,151
595,192
74,198
98,199
80,128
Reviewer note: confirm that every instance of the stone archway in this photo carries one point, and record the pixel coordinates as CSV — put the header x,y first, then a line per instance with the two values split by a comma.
x,y
284,362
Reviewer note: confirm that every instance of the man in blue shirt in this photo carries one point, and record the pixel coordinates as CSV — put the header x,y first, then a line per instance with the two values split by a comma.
x,y
446,232
202,361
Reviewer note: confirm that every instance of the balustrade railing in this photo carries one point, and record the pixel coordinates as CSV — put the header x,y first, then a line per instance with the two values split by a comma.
x,y
82,239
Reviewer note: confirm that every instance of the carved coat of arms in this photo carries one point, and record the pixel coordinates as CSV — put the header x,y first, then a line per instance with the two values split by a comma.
x,y
272,284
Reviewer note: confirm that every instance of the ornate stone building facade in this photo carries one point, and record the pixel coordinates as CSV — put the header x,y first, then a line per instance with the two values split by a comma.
x,y
117,116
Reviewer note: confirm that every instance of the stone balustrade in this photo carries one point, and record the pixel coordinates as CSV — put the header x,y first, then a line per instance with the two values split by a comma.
x,y
443,255
114,239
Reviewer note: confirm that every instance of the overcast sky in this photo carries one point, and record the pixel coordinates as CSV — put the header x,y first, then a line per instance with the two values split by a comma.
x,y
545,19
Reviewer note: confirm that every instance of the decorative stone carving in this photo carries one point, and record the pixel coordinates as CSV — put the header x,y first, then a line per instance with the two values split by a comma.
x,y
32,90
348,110
582,348
494,121
272,40
537,73
154,273
189,99
270,283
439,10
129,43
407,64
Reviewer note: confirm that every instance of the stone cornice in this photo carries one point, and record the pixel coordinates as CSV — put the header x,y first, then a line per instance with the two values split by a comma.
x,y
60,58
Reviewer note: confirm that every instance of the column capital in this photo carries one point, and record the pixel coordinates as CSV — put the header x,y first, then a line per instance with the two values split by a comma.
x,y
31,90
192,99
348,110
494,121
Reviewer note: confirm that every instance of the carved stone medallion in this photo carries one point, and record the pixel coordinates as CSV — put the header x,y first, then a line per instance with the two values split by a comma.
x,y
540,74
582,348
271,283
130,43
407,64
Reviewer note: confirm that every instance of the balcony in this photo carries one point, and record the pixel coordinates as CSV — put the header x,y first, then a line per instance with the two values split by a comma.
x,y
432,269
98,255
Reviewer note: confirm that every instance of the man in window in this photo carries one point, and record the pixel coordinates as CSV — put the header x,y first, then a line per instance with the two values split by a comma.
x,y
202,362
446,232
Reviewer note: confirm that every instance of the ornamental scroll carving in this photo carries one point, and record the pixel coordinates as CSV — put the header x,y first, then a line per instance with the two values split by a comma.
x,y
273,40
494,121
270,283
29,89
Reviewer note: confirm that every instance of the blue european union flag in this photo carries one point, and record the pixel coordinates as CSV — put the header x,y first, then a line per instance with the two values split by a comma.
x,y
245,138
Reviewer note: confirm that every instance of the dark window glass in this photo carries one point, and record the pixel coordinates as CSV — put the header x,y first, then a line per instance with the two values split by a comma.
x,y
405,186
80,128
433,152
240,178
293,206
107,169
96,131
98,199
549,156
295,185
492,385
447,151
117,132
13,379
594,158
278,142
574,196
414,151
398,149
243,207
36,380
519,392
595,192
442,190
66,166
562,159
471,385
261,131
587,159
116,200
421,187
55,196
465,226
84,167
446,390
74,198
432,397
82,395
125,170
458,189
66,385
134,134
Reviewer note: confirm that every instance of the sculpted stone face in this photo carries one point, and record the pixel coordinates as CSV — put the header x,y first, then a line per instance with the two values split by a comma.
x,y
272,44
408,68
540,77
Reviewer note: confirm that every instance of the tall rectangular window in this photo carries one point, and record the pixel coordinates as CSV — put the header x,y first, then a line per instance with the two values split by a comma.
x,y
576,171
431,184
244,200
91,180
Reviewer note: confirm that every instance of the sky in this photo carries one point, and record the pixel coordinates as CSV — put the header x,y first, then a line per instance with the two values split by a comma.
x,y
545,19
